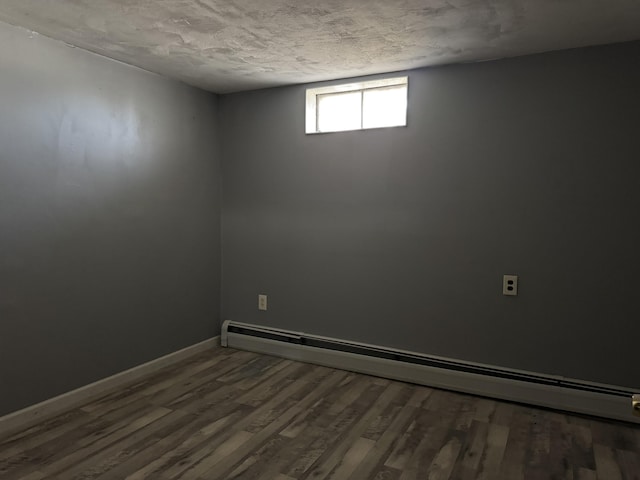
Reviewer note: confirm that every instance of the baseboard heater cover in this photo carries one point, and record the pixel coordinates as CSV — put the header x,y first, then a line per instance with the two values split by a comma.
x,y
557,392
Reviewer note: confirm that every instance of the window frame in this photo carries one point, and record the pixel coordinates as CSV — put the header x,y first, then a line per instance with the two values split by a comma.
x,y
313,94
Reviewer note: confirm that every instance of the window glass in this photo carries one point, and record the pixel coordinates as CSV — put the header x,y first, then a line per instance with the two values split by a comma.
x,y
384,107
355,106
339,111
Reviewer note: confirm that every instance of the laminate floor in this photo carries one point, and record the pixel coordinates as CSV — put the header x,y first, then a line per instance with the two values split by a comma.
x,y
233,414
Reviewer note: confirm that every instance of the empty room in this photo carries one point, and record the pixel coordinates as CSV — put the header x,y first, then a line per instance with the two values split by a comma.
x,y
291,240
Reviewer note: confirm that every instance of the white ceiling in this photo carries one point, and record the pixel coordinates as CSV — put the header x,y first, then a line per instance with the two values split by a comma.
x,y
233,45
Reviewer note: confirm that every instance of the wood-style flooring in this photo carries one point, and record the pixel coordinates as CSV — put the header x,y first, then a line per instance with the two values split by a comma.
x,y
233,414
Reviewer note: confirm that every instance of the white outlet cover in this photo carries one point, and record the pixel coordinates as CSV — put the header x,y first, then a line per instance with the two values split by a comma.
x,y
510,285
262,302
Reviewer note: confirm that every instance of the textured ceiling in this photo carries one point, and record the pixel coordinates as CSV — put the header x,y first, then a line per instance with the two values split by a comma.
x,y
232,45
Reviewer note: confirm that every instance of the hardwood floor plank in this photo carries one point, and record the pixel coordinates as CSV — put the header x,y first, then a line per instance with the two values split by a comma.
x,y
324,430
438,429
581,446
159,381
47,429
491,462
149,455
503,415
181,452
386,473
561,446
264,376
606,465
259,463
352,459
515,455
629,463
540,441
235,415
280,380
420,396
192,460
472,450
85,448
272,428
327,462
315,425
383,445
107,458
444,461
485,409
585,474
84,434
224,451
34,476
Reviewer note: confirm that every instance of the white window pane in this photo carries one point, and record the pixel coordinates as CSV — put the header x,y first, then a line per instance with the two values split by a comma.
x,y
385,107
340,111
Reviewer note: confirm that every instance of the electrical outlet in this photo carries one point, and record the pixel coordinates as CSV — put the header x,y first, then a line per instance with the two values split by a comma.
x,y
510,285
262,302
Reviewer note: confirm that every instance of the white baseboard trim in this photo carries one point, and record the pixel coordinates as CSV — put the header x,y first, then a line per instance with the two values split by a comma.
x,y
27,417
556,397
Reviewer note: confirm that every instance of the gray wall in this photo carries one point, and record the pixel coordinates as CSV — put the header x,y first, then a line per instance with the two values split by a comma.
x,y
400,237
109,217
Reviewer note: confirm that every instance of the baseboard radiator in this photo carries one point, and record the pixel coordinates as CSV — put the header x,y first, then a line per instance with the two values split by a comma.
x,y
556,392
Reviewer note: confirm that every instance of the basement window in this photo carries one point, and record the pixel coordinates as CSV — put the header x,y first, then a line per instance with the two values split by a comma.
x,y
357,106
